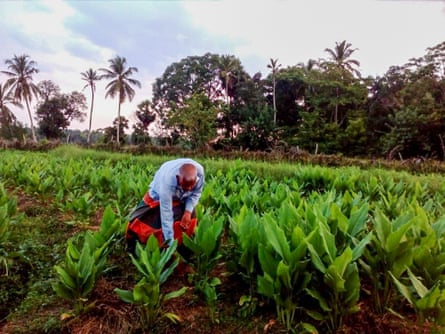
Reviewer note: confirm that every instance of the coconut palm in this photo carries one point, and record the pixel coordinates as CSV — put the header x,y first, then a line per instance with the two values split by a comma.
x,y
274,66
7,117
120,83
228,66
90,76
341,56
21,70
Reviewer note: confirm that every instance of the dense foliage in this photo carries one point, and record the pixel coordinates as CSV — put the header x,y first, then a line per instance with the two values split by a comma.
x,y
324,106
311,242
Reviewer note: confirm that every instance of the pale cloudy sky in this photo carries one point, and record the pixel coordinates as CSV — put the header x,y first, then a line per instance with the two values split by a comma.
x,y
66,38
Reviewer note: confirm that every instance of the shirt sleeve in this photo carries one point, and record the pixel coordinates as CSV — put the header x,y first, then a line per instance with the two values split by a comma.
x,y
165,202
193,199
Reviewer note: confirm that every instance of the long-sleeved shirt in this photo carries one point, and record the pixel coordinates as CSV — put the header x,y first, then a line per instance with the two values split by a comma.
x,y
165,188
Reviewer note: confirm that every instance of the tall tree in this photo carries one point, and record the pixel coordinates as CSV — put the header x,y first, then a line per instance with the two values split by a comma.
x,y
7,118
121,84
340,57
145,115
119,125
90,76
228,66
195,120
191,75
20,72
341,54
48,89
274,66
56,113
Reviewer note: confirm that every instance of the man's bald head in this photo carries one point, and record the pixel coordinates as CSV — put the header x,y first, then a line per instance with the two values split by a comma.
x,y
188,175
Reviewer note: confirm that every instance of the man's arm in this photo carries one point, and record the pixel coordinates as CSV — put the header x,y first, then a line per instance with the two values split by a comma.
x,y
165,202
193,199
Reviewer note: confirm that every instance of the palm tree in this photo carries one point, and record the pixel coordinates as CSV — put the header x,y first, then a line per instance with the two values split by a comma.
x,y
7,98
228,66
90,76
21,70
120,83
274,66
340,55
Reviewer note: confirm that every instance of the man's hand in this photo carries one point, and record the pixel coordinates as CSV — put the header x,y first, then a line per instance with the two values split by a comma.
x,y
185,221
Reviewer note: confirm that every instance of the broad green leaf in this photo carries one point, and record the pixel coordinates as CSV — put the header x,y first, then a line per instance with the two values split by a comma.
x,y
267,261
382,226
283,274
395,238
418,286
357,220
125,295
328,242
403,289
276,237
342,221
321,300
358,250
266,286
316,261
175,294
65,278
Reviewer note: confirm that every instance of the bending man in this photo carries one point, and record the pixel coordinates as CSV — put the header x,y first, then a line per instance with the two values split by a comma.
x,y
172,196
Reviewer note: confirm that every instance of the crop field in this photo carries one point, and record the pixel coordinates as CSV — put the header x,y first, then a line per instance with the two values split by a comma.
x,y
280,248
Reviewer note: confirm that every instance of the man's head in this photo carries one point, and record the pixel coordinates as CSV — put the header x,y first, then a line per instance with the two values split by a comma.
x,y
188,176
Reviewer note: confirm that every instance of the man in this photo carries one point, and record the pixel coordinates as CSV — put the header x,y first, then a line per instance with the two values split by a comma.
x,y
167,208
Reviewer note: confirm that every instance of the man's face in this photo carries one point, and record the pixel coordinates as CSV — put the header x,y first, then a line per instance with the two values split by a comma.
x,y
186,185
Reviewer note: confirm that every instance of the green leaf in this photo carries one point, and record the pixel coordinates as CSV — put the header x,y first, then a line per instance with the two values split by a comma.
x,y
403,289
267,260
275,236
328,241
316,261
358,250
172,317
62,291
341,219
357,220
309,328
382,226
266,286
283,274
175,294
125,295
395,238
65,278
418,286
321,300
315,315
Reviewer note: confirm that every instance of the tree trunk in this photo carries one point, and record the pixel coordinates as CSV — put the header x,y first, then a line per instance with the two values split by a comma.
x,y
336,106
91,116
118,122
274,103
34,138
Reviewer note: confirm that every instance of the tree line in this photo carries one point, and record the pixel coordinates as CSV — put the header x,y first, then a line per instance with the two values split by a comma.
x,y
322,106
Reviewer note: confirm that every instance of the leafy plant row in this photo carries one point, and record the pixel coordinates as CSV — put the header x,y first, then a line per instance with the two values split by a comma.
x,y
308,244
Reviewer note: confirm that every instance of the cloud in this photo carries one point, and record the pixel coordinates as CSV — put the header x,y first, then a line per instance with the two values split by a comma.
x,y
385,32
66,38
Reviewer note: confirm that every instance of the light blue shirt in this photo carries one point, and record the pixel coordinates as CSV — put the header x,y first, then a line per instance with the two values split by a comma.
x,y
164,188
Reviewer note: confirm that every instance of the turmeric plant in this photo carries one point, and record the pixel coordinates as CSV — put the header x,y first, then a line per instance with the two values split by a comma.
x,y
155,266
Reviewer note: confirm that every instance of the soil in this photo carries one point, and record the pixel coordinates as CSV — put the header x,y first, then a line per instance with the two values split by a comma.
x,y
110,315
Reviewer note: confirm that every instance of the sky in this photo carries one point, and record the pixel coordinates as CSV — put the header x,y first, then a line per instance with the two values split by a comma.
x,y
66,38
